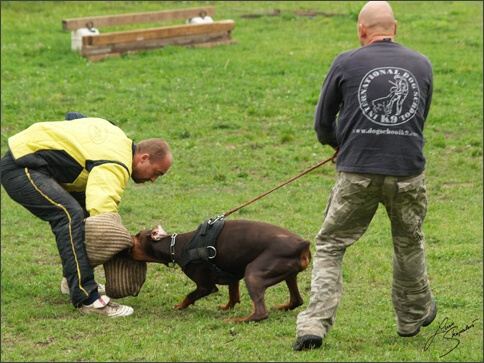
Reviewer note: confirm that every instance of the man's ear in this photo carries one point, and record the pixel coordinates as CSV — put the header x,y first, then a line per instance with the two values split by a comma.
x,y
361,31
145,157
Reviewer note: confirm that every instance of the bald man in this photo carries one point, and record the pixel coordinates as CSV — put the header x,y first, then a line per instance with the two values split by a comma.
x,y
372,109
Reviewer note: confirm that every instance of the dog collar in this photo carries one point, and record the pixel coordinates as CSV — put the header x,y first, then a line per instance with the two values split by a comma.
x,y
172,249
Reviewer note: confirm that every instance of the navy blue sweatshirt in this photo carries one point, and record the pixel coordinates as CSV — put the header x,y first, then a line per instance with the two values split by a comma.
x,y
373,105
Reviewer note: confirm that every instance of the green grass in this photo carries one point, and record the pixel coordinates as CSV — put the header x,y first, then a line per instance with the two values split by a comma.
x,y
239,121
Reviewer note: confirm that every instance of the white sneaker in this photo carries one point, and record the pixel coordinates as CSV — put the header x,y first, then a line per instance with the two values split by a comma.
x,y
103,306
65,287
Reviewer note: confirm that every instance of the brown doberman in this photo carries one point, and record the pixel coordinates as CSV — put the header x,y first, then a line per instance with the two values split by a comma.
x,y
262,254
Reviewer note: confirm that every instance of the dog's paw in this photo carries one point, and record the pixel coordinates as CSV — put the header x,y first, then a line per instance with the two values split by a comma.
x,y
181,306
226,306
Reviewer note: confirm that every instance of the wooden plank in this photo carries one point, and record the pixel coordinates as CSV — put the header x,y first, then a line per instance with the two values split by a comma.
x,y
98,52
152,43
136,18
97,57
157,33
144,44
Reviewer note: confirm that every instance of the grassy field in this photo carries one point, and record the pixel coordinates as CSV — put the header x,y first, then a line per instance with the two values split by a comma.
x,y
239,121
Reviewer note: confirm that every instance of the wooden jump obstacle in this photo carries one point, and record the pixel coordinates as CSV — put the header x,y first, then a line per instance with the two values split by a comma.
x,y
99,46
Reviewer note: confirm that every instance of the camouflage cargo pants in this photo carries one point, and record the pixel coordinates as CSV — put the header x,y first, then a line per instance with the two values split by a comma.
x,y
352,203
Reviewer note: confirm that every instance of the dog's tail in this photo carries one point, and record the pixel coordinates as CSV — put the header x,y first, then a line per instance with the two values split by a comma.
x,y
305,257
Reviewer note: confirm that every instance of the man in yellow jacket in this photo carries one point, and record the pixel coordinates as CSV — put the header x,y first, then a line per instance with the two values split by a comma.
x,y
66,171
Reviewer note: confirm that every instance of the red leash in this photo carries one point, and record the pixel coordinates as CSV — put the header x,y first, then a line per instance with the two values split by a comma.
x,y
332,158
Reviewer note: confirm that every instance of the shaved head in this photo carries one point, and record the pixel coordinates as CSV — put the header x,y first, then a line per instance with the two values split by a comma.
x,y
376,20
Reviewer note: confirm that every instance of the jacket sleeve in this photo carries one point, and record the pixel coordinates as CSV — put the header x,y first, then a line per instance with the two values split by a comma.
x,y
430,90
105,185
328,106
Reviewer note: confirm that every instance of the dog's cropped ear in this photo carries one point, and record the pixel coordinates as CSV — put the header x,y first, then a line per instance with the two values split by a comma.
x,y
158,233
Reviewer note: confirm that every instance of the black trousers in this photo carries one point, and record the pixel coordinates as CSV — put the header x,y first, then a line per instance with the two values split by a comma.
x,y
38,192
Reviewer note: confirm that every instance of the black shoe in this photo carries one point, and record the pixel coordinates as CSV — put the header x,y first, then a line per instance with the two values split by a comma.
x,y
307,342
428,320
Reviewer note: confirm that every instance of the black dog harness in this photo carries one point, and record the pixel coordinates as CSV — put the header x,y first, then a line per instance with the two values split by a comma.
x,y
201,247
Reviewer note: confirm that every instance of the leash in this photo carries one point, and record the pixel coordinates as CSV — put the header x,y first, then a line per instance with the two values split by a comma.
x,y
332,158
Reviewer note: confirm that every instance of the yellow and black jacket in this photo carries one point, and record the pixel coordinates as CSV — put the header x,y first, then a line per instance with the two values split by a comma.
x,y
87,154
